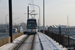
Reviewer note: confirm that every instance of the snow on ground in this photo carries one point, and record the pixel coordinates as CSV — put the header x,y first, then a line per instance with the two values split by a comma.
x,y
10,45
49,44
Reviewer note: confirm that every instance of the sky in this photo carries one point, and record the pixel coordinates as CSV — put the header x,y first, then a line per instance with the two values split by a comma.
x,y
56,11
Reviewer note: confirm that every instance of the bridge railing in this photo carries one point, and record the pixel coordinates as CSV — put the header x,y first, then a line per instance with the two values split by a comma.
x,y
6,39
17,35
64,39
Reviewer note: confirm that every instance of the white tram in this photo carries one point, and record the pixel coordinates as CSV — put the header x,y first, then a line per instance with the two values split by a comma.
x,y
31,26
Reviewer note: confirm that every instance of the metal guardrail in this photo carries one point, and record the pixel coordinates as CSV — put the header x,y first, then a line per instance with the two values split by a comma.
x,y
65,40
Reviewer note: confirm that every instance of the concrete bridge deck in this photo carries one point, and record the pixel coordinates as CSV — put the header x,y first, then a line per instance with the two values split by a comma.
x,y
47,43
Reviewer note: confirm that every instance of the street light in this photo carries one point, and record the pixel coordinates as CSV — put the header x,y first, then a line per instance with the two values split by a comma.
x,y
14,19
39,11
25,13
6,18
6,21
20,21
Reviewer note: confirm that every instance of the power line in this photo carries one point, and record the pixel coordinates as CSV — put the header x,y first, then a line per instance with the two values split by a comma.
x,y
31,2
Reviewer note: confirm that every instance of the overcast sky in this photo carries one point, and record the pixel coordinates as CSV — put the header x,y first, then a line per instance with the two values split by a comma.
x,y
56,11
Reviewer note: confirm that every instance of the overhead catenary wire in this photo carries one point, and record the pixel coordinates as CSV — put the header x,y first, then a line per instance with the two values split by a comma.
x,y
31,2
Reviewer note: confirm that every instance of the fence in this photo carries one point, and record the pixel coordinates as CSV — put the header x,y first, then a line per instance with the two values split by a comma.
x,y
65,40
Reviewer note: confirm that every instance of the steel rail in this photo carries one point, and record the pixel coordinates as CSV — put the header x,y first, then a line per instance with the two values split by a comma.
x,y
40,43
33,42
16,48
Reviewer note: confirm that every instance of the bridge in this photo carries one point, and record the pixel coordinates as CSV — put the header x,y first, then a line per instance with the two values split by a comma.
x,y
14,36
38,41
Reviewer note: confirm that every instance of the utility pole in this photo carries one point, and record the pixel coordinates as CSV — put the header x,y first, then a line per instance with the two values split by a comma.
x,y
59,34
28,11
43,16
6,22
38,25
10,19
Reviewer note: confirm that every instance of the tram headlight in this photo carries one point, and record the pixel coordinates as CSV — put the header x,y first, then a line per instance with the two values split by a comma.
x,y
28,30
34,30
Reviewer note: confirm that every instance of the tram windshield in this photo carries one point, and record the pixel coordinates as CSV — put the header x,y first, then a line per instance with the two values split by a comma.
x,y
31,25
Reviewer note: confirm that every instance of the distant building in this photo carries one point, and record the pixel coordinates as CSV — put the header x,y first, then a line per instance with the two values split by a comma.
x,y
3,28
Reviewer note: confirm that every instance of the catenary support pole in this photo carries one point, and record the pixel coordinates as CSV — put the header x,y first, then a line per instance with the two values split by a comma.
x,y
10,20
43,16
59,34
28,11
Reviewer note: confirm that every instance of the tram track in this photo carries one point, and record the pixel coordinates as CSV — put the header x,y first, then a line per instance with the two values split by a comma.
x,y
16,48
33,43
29,42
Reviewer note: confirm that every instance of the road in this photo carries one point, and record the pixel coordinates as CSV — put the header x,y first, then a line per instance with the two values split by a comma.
x,y
3,35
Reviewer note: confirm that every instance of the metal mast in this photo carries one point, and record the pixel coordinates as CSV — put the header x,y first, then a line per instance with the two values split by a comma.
x,y
43,16
10,19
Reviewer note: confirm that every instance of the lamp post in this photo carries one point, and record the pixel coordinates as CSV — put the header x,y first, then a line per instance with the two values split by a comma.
x,y
13,21
39,11
16,18
6,22
6,18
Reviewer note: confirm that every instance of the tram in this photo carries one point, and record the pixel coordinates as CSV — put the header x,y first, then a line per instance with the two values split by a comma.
x,y
31,26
